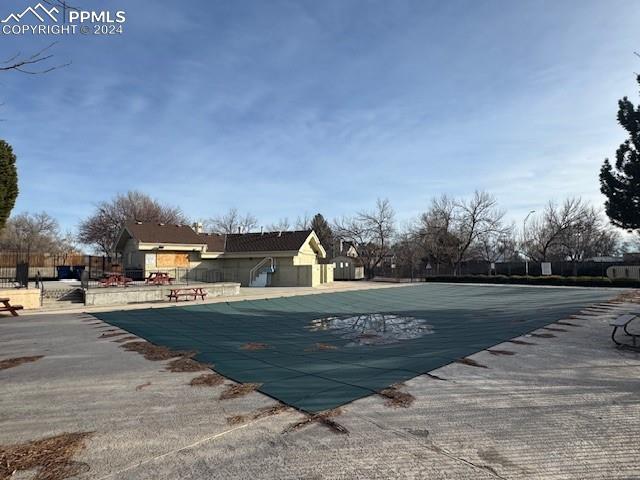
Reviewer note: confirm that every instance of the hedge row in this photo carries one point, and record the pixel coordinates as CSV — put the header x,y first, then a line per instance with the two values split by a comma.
x,y
548,280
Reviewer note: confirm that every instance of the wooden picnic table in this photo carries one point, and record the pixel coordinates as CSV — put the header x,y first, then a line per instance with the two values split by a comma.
x,y
159,278
115,279
9,308
195,292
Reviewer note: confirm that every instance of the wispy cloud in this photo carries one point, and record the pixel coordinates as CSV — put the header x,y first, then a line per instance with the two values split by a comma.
x,y
292,107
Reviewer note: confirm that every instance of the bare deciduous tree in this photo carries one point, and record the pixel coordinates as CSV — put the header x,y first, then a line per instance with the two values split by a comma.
x,y
281,225
34,233
543,240
409,250
439,242
589,237
452,228
371,232
498,246
303,222
102,228
231,222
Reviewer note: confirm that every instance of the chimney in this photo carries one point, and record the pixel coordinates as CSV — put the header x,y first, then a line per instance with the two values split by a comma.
x,y
198,227
261,230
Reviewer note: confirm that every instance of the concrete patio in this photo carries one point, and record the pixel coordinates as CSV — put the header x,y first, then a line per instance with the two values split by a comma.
x,y
567,407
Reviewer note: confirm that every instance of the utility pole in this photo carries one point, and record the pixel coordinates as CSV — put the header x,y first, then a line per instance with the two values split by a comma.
x,y
524,241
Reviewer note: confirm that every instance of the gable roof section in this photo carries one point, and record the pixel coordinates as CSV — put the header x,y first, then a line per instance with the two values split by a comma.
x,y
266,242
215,242
161,233
231,243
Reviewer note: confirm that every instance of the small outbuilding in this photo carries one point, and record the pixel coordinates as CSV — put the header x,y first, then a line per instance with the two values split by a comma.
x,y
285,258
347,264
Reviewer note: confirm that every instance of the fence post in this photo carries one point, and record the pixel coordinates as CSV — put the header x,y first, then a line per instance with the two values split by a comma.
x,y
84,279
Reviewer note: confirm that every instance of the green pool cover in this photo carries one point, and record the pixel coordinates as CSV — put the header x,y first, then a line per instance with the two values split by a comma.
x,y
317,352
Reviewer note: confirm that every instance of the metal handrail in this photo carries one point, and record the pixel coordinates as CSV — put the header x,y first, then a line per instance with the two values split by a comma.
x,y
254,272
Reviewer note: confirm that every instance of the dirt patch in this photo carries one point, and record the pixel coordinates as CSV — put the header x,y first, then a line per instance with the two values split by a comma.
x,y
631,297
254,346
323,418
50,457
470,362
554,329
113,334
125,339
259,413
144,385
501,352
396,398
542,335
320,346
14,362
153,352
568,324
207,380
186,364
520,342
181,361
239,390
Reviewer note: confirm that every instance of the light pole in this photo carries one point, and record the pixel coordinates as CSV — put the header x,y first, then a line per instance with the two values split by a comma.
x,y
524,241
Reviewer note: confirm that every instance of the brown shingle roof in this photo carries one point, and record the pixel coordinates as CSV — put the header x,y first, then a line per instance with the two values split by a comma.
x,y
263,242
215,242
232,243
161,233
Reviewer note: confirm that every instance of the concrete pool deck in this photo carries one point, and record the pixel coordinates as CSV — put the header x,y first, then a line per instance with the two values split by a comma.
x,y
567,407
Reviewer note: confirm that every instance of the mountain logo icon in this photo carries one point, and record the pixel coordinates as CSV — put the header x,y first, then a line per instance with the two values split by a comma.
x,y
39,11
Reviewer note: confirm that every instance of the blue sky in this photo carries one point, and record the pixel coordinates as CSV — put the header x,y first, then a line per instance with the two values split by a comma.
x,y
286,107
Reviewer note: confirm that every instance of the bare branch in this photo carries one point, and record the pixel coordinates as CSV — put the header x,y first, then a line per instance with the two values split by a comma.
x,y
22,64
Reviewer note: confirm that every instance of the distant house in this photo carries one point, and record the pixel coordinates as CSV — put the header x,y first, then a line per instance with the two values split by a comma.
x,y
253,259
347,264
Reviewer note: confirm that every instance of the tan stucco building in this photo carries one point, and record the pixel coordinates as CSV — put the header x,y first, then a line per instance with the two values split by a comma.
x,y
347,264
253,259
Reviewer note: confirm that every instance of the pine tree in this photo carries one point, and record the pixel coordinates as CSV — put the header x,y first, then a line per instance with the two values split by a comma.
x,y
8,182
324,233
621,185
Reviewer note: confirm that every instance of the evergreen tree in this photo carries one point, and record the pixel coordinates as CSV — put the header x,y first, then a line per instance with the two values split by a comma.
x,y
324,232
8,182
621,185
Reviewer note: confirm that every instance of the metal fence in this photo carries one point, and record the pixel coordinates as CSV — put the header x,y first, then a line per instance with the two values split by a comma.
x,y
55,266
534,269
130,277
